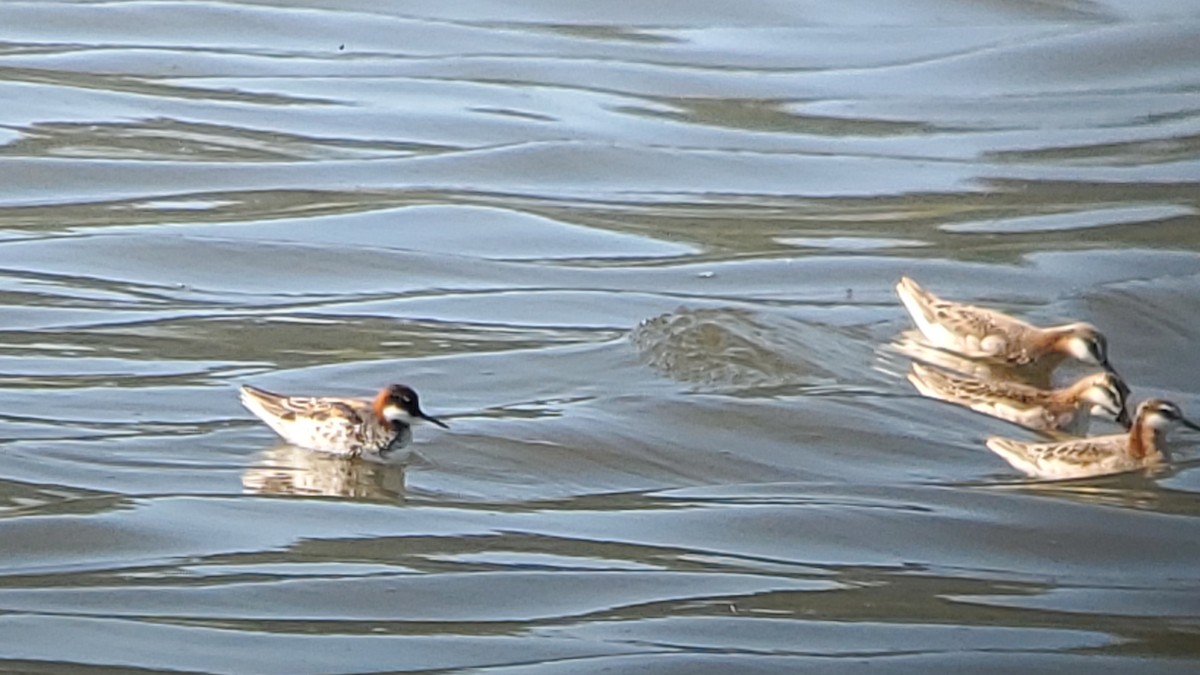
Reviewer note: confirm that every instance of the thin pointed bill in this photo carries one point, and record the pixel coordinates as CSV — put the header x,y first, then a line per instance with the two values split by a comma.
x,y
1123,391
1122,388
431,418
1189,424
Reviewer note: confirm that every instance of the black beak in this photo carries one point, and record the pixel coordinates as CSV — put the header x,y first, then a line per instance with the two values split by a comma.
x,y
431,418
1123,419
1121,386
1189,424
1122,389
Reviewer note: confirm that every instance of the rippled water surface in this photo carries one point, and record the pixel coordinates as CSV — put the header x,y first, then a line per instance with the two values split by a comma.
x,y
640,255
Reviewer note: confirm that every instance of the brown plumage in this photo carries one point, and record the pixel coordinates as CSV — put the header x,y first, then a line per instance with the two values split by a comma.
x,y
345,426
1143,447
1067,409
987,334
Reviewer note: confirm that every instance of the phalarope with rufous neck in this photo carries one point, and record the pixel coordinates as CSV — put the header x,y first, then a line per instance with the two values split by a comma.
x,y
1067,409
373,428
1142,447
986,334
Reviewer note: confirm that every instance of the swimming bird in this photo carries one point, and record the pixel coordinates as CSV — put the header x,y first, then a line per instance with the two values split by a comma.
x,y
986,334
1067,409
1142,447
375,428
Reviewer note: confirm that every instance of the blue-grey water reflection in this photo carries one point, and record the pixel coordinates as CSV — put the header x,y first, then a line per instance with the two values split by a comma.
x,y
641,257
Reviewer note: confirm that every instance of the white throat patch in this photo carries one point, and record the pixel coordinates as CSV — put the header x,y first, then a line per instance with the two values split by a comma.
x,y
394,413
1081,349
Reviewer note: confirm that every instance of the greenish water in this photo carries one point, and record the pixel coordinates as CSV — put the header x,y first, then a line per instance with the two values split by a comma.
x,y
640,256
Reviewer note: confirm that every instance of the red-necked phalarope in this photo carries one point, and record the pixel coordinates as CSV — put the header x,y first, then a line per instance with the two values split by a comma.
x,y
343,426
985,334
1142,447
1067,409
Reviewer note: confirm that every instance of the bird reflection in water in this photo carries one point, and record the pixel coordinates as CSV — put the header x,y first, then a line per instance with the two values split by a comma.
x,y
289,470
910,344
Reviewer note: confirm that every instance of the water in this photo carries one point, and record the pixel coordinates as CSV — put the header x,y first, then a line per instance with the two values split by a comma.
x,y
641,257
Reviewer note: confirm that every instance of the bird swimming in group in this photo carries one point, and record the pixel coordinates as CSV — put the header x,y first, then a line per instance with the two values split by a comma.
x,y
372,428
990,335
1067,409
1142,447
